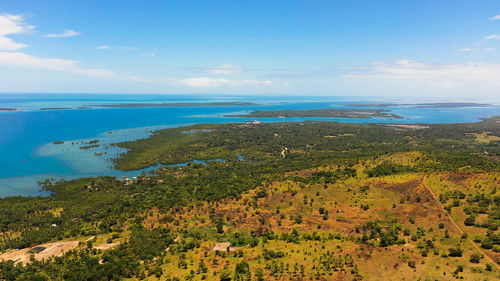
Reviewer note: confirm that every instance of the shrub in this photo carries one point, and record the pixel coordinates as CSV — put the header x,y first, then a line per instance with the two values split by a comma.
x,y
225,275
496,248
475,258
455,252
242,272
412,220
487,243
469,221
259,274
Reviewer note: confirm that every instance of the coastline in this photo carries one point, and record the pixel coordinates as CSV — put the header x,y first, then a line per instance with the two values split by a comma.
x,y
65,162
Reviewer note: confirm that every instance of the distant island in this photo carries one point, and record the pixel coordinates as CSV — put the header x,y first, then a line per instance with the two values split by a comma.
x,y
54,108
7,109
326,112
424,105
174,104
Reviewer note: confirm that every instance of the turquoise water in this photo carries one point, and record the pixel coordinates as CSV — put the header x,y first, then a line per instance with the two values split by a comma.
x,y
28,154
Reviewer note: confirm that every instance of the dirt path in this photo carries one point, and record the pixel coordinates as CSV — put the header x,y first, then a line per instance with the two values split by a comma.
x,y
455,224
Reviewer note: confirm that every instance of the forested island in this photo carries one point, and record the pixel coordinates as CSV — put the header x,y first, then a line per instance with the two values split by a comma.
x,y
280,201
7,109
324,112
54,108
424,105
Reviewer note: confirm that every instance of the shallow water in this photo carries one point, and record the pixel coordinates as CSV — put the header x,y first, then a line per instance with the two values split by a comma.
x,y
28,152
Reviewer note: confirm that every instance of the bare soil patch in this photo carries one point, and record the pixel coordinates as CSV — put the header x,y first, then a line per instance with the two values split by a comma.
x,y
53,249
225,246
107,246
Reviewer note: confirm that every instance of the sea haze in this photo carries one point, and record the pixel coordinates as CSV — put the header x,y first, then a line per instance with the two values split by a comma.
x,y
34,122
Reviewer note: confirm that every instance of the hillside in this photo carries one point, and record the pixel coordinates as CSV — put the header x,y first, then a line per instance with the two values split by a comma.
x,y
280,201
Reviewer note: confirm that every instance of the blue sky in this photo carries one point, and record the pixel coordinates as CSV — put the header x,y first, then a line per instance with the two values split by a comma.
x,y
359,48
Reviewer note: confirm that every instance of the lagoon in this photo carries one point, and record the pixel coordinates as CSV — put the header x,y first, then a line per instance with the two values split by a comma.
x,y
28,152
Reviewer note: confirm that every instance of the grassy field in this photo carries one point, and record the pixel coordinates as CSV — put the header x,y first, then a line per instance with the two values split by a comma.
x,y
334,236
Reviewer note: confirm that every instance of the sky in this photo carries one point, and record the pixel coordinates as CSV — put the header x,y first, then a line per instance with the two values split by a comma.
x,y
424,48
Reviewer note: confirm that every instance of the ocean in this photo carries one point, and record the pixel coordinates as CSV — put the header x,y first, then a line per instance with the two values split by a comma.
x,y
28,153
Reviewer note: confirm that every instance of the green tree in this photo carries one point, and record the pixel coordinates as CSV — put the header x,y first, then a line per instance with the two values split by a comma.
x,y
259,274
242,272
475,258
225,275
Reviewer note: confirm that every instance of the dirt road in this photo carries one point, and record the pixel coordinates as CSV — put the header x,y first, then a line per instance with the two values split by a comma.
x,y
455,224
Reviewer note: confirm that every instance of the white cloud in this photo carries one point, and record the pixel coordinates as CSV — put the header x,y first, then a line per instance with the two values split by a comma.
x,y
6,44
124,48
12,24
497,17
148,54
223,69
64,34
465,50
25,60
493,36
19,59
407,69
205,82
489,49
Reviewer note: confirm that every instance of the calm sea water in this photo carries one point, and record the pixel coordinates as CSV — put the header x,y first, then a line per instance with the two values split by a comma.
x,y
28,154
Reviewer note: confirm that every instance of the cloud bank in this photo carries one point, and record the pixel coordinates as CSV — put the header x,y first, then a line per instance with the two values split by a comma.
x,y
205,82
408,69
64,34
25,60
223,69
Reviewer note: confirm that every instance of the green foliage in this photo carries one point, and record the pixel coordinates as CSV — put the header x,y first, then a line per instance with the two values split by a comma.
x,y
455,252
225,275
387,168
471,220
115,264
104,205
259,274
475,258
270,254
242,272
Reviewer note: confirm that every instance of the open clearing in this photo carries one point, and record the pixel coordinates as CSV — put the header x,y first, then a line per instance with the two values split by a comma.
x,y
51,250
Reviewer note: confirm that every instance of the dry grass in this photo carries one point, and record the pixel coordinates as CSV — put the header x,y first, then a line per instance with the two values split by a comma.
x,y
485,137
